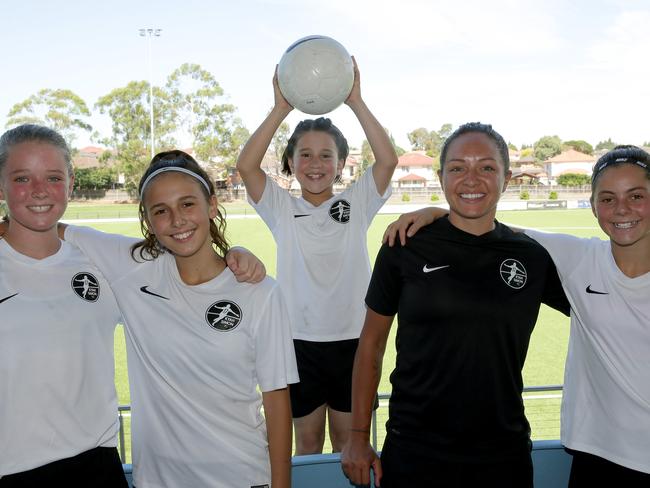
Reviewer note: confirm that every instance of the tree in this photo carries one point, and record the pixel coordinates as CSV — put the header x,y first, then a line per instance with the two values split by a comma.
x,y
607,145
512,147
573,179
525,152
279,144
194,97
419,139
100,178
62,110
367,157
398,150
579,145
128,108
547,147
429,141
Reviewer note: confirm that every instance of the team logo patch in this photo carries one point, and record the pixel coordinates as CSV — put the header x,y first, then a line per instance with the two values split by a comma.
x,y
223,315
513,273
340,211
86,286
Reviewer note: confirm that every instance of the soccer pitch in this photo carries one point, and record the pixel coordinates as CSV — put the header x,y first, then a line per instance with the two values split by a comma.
x,y
547,352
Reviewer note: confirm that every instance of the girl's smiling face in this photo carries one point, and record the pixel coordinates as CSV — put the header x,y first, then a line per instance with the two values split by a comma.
x,y
621,203
316,165
178,213
35,182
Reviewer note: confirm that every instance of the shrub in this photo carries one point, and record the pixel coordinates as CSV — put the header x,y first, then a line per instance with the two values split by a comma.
x,y
573,179
552,195
524,195
406,197
434,197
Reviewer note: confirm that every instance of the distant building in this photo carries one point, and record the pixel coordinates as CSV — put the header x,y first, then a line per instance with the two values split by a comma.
x,y
569,161
415,170
89,157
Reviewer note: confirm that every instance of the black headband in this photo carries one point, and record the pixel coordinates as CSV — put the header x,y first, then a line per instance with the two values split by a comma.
x,y
604,164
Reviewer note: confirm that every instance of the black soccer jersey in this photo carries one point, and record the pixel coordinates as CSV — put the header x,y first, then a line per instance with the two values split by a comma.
x,y
466,307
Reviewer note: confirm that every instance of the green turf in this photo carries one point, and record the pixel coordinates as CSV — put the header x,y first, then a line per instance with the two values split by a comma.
x,y
547,352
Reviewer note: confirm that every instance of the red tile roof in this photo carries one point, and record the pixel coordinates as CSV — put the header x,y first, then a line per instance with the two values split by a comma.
x,y
571,156
416,158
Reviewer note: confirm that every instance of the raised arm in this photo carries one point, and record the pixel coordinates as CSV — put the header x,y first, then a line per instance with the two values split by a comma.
x,y
250,159
382,147
277,410
358,456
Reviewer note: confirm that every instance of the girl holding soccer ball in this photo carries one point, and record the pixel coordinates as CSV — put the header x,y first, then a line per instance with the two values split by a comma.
x,y
323,265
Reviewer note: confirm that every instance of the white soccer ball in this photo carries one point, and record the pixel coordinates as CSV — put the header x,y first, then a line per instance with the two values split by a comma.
x,y
316,74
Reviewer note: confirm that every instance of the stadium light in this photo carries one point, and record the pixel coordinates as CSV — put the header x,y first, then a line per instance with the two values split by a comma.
x,y
149,33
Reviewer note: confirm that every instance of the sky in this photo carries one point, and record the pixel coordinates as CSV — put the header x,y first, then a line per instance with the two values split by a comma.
x,y
577,69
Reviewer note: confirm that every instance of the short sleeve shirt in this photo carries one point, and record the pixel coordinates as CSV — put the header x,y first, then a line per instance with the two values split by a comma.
x,y
322,257
466,307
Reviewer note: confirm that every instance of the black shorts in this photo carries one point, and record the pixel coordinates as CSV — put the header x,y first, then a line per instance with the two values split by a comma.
x,y
588,470
99,467
405,466
325,370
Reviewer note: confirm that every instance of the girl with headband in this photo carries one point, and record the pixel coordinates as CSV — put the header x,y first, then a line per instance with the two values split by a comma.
x,y
200,343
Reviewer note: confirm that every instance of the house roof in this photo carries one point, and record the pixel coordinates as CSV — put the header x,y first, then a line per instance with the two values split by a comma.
x,y
352,161
92,150
526,174
412,177
571,156
415,158
88,157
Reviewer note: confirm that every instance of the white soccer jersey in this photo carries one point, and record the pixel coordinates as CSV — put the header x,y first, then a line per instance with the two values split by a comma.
x,y
196,356
606,404
322,256
57,389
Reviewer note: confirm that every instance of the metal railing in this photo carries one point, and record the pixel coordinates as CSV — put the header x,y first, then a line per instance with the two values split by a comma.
x,y
543,415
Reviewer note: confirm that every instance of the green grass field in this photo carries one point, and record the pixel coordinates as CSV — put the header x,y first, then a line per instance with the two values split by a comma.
x,y
547,352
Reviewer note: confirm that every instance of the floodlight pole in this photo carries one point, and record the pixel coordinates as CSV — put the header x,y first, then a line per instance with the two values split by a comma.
x,y
149,33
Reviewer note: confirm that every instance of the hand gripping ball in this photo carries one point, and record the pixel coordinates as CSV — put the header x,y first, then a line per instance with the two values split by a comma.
x,y
316,74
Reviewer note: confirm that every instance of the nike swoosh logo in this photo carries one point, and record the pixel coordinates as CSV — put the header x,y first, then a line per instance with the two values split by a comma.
x,y
594,292
428,270
301,215
7,298
143,289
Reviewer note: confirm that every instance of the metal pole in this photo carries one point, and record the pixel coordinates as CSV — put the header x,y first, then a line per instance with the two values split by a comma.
x,y
149,33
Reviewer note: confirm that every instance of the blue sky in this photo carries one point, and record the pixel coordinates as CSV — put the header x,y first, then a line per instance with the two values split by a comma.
x,y
577,69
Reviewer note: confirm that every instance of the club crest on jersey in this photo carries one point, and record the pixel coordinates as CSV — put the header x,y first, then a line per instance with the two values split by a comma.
x,y
86,286
513,273
223,315
340,211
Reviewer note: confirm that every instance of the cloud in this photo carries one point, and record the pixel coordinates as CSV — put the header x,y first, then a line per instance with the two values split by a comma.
x,y
500,27
624,45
